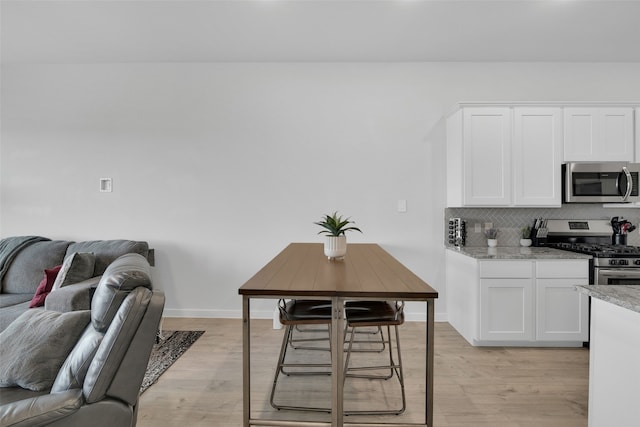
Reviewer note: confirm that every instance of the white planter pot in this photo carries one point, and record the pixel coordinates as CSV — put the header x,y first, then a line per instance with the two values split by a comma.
x,y
492,243
335,246
525,242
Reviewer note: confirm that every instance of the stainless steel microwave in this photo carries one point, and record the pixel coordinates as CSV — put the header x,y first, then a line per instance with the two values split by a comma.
x,y
606,182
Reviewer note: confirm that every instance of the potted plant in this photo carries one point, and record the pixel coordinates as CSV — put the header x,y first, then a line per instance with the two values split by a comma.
x,y
526,236
492,237
335,227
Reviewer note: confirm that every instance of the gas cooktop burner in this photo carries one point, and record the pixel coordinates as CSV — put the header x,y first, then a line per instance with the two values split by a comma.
x,y
600,250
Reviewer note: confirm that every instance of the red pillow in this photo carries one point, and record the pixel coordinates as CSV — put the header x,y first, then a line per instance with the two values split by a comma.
x,y
44,288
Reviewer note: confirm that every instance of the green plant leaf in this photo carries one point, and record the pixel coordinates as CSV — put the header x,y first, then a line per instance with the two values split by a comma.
x,y
335,225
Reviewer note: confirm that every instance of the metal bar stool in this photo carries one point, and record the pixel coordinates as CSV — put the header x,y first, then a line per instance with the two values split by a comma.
x,y
294,313
297,342
297,339
380,314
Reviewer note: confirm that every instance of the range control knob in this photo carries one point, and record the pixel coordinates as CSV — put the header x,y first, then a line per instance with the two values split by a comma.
x,y
613,262
637,262
623,262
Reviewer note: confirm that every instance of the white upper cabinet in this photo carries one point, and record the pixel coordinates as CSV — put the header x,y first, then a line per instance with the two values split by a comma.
x,y
503,156
537,156
598,134
487,156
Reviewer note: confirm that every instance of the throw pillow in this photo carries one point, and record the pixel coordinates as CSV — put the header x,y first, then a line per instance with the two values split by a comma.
x,y
75,268
44,288
36,344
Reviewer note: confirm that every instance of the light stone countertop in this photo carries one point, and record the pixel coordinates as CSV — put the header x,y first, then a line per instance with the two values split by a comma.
x,y
626,296
516,252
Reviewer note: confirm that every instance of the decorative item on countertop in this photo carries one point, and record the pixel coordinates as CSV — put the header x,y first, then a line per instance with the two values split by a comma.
x,y
335,245
492,237
621,227
526,236
457,231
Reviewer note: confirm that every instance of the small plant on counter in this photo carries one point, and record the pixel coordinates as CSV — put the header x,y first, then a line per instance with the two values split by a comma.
x,y
335,225
526,232
491,233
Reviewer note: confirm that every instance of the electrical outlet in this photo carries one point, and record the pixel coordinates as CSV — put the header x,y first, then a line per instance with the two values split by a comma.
x,y
477,228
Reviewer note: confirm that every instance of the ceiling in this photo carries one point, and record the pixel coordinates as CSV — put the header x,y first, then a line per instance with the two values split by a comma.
x,y
93,31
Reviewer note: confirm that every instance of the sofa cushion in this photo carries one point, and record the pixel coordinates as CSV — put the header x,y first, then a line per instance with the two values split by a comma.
x,y
45,286
74,369
119,279
107,251
8,300
15,394
72,297
25,272
10,313
75,268
35,346
106,370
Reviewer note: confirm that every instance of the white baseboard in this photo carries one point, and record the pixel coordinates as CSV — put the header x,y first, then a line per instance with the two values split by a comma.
x,y
212,314
265,314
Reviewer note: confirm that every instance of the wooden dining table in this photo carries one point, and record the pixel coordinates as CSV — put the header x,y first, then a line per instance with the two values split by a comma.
x,y
367,272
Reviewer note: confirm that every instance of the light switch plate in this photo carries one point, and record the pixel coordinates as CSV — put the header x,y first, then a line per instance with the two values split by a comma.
x,y
106,185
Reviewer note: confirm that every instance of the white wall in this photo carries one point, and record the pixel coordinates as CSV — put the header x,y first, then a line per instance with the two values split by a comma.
x,y
220,165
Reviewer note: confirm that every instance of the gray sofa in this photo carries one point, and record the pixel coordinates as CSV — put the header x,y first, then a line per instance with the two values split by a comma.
x,y
101,367
23,260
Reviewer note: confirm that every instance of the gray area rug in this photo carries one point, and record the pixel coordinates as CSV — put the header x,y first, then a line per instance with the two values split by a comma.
x,y
171,346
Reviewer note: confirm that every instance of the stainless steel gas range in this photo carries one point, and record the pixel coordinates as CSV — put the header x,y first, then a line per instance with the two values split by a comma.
x,y
611,264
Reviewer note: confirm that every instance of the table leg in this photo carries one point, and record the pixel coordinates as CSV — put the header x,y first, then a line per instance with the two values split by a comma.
x,y
337,368
246,363
429,357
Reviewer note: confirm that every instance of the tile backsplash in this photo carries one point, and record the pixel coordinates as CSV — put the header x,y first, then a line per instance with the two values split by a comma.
x,y
510,220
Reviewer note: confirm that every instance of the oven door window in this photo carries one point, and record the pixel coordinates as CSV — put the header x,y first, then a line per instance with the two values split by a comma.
x,y
619,277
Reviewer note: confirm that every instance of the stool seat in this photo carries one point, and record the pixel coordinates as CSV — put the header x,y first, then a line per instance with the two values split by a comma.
x,y
373,313
305,312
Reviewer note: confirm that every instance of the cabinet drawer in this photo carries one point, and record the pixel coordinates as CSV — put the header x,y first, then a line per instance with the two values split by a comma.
x,y
562,268
506,269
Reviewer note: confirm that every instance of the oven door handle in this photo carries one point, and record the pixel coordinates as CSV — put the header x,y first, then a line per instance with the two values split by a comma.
x,y
627,273
626,172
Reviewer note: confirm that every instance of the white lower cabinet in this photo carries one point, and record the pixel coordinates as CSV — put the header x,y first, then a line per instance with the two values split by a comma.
x,y
562,314
517,302
506,309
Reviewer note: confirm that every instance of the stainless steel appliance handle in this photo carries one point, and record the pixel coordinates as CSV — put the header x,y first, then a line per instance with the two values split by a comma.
x,y
629,183
625,275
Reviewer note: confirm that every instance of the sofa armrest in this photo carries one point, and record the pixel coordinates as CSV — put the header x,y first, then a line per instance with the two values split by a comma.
x,y
72,297
41,410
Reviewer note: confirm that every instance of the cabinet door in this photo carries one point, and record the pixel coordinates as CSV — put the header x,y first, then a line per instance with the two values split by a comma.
x,y
598,134
616,135
581,127
487,156
506,310
537,156
562,313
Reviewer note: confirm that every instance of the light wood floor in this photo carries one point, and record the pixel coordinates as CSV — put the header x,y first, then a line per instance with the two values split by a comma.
x,y
479,387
